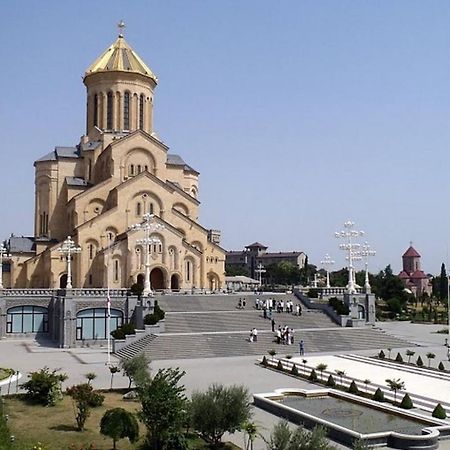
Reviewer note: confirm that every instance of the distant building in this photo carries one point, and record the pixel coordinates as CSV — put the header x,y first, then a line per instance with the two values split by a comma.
x,y
256,253
412,275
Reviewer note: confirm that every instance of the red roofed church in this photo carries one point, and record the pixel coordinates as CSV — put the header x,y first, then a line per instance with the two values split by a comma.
x,y
413,277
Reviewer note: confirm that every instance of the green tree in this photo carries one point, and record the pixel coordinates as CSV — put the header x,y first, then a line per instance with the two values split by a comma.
x,y
119,423
233,270
228,408
339,278
410,354
163,407
430,356
340,374
136,369
90,376
283,438
395,385
321,367
367,382
84,398
251,432
44,386
113,370
443,284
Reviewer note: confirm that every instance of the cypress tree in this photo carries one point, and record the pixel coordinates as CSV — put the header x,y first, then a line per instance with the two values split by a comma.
x,y
353,389
312,376
443,283
419,362
330,381
378,395
439,412
294,370
399,358
406,402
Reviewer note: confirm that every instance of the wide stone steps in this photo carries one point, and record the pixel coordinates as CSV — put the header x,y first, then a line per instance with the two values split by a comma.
x,y
241,320
218,302
208,345
136,347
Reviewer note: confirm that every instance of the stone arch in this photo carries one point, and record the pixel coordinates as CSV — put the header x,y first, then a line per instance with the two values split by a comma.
x,y
213,281
198,245
94,208
174,261
146,198
63,281
175,282
110,234
189,269
194,191
138,158
158,278
181,207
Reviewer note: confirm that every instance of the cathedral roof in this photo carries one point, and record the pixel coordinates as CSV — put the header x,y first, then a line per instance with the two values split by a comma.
x,y
21,244
411,252
61,152
255,244
120,57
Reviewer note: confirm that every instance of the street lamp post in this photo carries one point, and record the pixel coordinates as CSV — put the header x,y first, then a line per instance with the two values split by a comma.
x,y
366,252
149,226
68,248
3,255
348,234
327,262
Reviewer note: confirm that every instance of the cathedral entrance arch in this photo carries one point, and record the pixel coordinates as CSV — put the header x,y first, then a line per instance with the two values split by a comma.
x,y
174,282
157,279
140,280
63,281
213,281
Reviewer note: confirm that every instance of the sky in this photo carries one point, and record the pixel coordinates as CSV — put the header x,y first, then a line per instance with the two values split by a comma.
x,y
299,115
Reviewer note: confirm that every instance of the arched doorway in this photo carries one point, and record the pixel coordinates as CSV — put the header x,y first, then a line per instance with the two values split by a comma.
x,y
63,281
213,281
174,283
361,312
157,279
140,280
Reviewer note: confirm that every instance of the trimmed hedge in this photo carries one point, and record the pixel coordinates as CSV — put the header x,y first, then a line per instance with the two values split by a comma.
x,y
353,389
312,375
439,412
280,365
378,395
330,381
264,361
399,358
339,306
441,366
406,403
419,362
381,355
294,370
124,330
157,315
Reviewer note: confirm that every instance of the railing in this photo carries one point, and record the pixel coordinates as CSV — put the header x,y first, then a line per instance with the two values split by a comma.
x,y
97,292
325,292
27,292
88,292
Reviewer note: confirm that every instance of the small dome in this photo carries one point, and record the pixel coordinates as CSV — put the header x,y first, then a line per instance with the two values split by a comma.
x,y
120,57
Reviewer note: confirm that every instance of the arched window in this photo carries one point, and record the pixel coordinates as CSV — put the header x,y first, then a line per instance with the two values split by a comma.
x,y
138,209
27,319
95,110
91,251
139,168
188,271
109,111
116,270
141,111
146,168
151,208
126,111
131,170
91,323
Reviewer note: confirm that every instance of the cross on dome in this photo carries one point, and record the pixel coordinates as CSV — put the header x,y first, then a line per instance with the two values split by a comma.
x,y
121,26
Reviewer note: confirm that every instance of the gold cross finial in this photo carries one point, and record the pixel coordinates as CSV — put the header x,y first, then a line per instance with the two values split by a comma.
x,y
121,27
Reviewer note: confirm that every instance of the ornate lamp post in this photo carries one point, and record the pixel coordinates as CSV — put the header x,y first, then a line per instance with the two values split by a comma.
x,y
260,270
348,234
149,226
366,252
68,248
327,262
3,255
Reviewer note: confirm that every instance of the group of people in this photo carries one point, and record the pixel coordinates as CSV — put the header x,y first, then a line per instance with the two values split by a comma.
x,y
253,335
241,303
285,335
270,304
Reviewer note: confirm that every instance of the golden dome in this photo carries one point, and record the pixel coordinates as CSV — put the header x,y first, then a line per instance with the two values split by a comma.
x,y
120,57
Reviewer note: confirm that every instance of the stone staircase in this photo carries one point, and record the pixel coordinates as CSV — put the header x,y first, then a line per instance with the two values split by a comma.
x,y
209,345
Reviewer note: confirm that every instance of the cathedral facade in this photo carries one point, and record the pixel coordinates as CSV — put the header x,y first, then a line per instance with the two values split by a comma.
x,y
119,175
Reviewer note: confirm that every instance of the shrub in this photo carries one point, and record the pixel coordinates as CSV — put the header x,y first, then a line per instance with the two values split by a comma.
x,y
441,366
381,355
264,361
44,387
123,331
83,397
439,412
312,375
406,403
279,365
353,389
96,400
136,369
378,395
150,319
339,306
313,293
157,315
419,362
399,358
330,381
294,370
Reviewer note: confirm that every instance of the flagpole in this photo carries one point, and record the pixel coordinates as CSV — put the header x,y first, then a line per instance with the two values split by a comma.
x,y
108,306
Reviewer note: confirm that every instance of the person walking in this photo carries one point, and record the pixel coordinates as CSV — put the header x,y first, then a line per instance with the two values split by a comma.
x,y
243,303
302,347
273,324
279,335
250,338
255,335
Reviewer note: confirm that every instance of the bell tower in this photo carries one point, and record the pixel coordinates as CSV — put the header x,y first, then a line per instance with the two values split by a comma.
x,y
120,89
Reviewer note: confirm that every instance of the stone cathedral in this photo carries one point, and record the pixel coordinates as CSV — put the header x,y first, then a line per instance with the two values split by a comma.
x,y
97,190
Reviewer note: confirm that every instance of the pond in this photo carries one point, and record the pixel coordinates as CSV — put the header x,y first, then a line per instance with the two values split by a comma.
x,y
353,416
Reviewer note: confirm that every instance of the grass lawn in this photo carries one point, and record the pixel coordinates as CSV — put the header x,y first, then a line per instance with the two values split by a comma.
x,y
55,426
